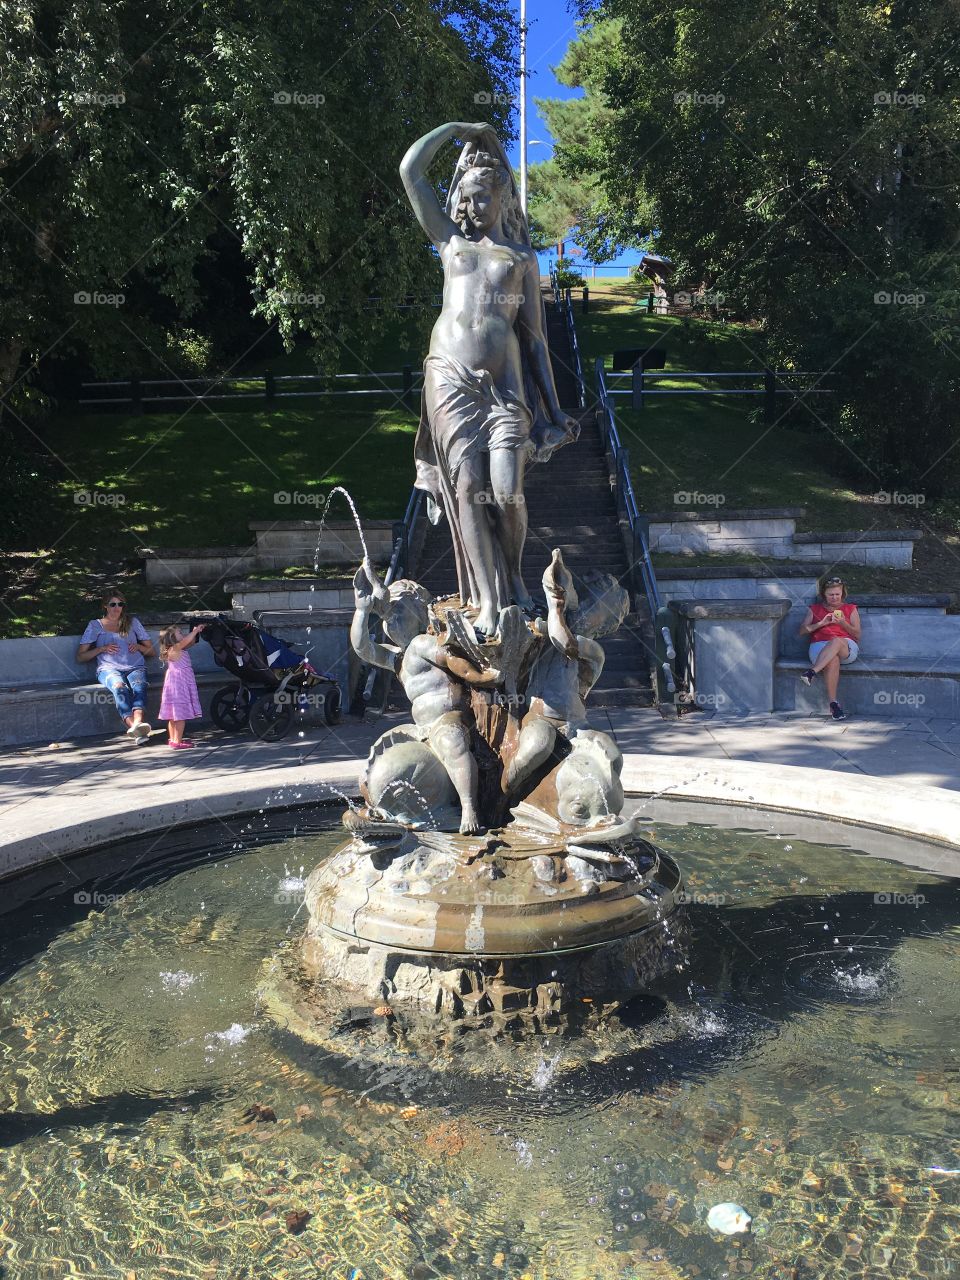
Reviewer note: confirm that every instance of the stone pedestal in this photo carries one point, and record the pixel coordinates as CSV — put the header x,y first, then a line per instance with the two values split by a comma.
x,y
733,647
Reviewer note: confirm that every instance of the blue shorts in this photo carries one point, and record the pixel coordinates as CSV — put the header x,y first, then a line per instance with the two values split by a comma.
x,y
818,645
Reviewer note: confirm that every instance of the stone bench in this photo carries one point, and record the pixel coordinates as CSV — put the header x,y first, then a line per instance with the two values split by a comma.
x,y
47,696
901,688
175,566
909,661
333,542
771,534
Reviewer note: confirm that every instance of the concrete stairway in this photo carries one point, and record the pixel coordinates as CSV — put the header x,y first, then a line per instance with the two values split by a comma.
x,y
571,506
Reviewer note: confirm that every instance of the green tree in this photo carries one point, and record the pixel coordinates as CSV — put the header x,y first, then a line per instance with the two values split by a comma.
x,y
805,162
556,204
573,198
132,137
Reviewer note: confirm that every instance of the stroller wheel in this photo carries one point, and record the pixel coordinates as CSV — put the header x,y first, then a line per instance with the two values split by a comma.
x,y
332,704
270,720
230,708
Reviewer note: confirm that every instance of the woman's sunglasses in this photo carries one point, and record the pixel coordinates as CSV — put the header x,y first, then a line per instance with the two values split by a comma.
x,y
116,604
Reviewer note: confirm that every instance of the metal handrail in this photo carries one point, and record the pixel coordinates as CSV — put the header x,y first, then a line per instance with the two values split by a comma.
x,y
626,497
574,348
403,538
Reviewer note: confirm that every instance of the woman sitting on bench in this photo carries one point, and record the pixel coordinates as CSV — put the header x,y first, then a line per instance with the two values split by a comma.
x,y
835,625
119,643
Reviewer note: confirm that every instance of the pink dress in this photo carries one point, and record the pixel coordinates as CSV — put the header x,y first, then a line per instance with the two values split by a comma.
x,y
180,699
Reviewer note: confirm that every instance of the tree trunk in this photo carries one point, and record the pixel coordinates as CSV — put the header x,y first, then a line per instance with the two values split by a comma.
x,y
10,353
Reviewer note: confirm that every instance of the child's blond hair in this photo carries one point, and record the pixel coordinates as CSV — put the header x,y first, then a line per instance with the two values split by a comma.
x,y
169,637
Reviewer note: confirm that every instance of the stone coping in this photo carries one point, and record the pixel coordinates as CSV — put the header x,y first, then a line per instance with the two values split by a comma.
x,y
291,584
748,610
194,553
922,665
785,569
881,804
861,535
44,833
713,514
314,526
327,617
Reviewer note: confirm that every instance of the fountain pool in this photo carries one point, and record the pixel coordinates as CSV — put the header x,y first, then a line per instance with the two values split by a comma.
x,y
155,1123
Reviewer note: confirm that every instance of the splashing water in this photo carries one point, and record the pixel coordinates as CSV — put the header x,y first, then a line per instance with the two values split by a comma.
x,y
544,1072
524,1154
859,982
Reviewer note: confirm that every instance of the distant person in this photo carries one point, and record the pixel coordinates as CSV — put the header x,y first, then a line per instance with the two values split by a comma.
x,y
180,700
120,644
834,624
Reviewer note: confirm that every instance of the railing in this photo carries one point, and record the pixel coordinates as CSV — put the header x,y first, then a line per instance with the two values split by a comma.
x,y
564,304
640,561
642,571
403,534
403,384
771,379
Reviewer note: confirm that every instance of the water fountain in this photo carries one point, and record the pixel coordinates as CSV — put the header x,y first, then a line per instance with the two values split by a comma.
x,y
490,876
457,1097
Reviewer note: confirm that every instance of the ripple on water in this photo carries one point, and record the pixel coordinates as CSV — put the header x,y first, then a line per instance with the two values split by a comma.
x,y
811,1083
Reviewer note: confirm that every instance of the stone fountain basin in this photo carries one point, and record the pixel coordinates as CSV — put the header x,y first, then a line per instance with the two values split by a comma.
x,y
486,897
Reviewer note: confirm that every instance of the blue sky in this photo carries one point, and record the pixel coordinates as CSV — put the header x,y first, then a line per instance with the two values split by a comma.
x,y
550,29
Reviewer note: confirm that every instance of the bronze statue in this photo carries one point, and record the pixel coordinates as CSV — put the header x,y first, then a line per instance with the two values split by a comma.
x,y
490,403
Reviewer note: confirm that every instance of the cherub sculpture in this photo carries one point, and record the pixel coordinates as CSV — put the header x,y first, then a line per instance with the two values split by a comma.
x,y
436,681
567,668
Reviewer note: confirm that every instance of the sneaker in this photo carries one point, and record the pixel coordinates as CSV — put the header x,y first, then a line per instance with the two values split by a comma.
x,y
837,711
140,731
808,676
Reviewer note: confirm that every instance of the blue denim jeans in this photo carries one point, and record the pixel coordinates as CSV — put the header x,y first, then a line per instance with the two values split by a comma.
x,y
129,688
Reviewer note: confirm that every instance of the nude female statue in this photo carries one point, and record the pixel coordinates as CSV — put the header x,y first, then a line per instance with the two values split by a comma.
x,y
489,399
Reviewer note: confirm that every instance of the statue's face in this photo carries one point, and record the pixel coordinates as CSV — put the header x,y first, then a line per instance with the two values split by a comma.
x,y
482,203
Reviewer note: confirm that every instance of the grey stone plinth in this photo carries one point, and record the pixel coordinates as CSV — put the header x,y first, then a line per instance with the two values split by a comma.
x,y
734,647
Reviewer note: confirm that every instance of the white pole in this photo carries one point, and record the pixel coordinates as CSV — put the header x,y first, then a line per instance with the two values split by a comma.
x,y
523,106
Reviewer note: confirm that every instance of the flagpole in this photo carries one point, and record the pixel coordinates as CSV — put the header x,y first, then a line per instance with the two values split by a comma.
x,y
523,106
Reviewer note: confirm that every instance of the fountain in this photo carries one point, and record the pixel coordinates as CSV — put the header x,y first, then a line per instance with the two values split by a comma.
x,y
434,1081
490,879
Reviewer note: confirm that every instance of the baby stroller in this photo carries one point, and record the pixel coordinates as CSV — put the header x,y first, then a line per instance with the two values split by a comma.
x,y
276,683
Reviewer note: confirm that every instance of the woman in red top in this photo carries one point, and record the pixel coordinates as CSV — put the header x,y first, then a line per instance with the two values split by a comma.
x,y
834,625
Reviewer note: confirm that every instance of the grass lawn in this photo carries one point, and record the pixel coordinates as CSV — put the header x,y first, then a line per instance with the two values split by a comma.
x,y
195,479
712,445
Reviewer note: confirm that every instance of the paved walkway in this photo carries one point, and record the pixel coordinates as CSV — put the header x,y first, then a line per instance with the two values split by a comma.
x,y
923,752
107,789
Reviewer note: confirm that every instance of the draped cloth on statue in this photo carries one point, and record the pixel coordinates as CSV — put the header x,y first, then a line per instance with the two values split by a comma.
x,y
464,414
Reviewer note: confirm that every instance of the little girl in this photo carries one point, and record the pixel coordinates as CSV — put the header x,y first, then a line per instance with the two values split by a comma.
x,y
180,700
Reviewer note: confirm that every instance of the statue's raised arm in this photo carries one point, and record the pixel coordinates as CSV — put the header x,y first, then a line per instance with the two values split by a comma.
x,y
413,170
